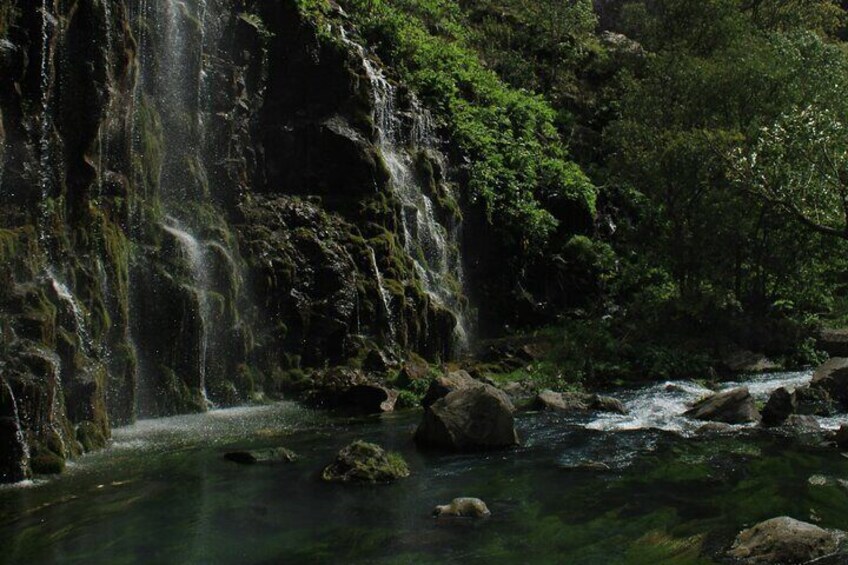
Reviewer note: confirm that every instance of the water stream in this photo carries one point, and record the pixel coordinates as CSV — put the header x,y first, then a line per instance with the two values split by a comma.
x,y
163,491
19,429
384,295
195,253
432,246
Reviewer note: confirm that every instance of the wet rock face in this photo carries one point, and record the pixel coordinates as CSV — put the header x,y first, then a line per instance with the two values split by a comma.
x,y
190,206
14,456
785,540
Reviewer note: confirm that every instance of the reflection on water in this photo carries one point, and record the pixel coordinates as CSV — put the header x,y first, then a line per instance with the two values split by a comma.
x,y
164,494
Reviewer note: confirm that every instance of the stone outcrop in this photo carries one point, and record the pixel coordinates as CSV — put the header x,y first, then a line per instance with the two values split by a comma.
x,y
362,462
732,407
785,540
832,376
469,419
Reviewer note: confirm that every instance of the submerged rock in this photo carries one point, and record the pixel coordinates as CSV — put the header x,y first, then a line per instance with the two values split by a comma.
x,y
469,419
607,404
362,462
272,455
801,424
732,407
577,402
463,508
832,376
785,540
550,400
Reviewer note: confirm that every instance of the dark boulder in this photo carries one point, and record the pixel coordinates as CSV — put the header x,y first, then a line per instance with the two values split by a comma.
x,y
252,457
732,407
834,342
813,401
780,405
369,399
606,404
832,376
557,401
577,402
450,382
841,436
785,540
362,462
743,361
476,418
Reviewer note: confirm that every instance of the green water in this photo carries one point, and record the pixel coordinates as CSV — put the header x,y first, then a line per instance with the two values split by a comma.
x,y
164,494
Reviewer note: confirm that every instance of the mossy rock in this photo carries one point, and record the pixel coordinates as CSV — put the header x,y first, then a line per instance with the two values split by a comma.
x,y
362,462
90,436
47,463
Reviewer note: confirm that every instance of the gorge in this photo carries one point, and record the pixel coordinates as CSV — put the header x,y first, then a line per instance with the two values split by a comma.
x,y
585,260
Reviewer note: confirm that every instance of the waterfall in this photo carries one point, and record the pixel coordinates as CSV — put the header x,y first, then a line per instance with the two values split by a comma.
x,y
425,239
44,141
384,294
196,256
19,429
65,294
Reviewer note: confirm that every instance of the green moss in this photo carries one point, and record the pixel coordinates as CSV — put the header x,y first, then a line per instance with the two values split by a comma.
x,y
90,436
45,462
366,463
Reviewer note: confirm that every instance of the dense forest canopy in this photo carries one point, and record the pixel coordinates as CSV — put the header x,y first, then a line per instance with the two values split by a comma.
x,y
671,166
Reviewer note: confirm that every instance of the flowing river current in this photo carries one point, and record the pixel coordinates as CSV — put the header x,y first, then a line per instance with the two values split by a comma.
x,y
642,488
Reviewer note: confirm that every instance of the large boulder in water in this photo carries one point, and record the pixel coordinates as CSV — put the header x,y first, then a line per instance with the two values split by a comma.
x,y
732,407
362,462
445,384
832,376
785,540
469,419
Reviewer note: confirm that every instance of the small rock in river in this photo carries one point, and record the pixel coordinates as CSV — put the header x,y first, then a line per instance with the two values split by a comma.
x,y
463,508
272,455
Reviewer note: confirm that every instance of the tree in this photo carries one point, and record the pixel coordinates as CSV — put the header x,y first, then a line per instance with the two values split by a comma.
x,y
800,164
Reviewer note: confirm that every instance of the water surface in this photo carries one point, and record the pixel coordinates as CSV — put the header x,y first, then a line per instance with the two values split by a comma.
x,y
163,493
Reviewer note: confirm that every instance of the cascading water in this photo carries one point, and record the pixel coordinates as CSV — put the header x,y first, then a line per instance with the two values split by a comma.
x,y
19,429
425,239
196,255
45,179
76,308
384,294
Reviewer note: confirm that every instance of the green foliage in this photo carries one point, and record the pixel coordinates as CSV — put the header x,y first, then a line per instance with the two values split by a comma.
x,y
698,247
516,160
